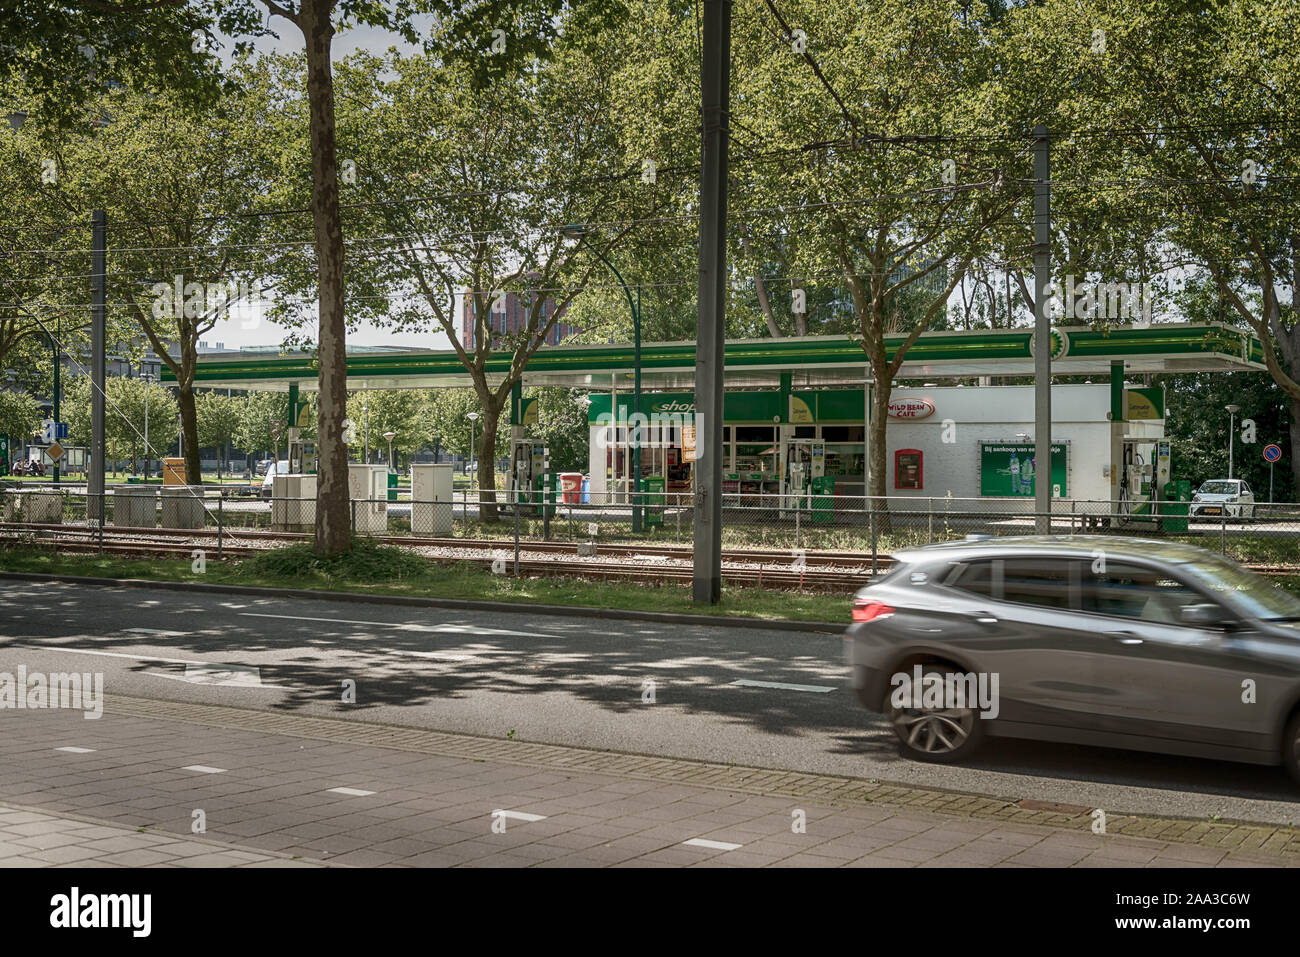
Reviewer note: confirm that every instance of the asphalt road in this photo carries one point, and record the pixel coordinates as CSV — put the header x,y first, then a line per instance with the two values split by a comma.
x,y
576,681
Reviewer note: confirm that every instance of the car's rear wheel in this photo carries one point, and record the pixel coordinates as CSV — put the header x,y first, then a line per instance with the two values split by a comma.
x,y
939,734
1291,747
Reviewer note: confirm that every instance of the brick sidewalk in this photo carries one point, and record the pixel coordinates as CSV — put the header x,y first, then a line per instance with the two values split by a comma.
x,y
286,790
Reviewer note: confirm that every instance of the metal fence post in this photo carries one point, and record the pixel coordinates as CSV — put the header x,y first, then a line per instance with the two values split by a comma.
x,y
930,515
517,530
354,516
1223,529
798,532
221,500
871,521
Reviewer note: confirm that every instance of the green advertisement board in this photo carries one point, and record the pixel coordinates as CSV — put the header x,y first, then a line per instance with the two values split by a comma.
x,y
1007,469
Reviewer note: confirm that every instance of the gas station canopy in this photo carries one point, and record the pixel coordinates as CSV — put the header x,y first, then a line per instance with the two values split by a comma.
x,y
755,363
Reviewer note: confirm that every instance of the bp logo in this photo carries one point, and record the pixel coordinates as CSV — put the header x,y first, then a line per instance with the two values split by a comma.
x,y
1060,344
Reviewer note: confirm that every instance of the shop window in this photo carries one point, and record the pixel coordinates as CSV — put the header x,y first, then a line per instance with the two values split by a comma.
x,y
805,431
907,469
754,433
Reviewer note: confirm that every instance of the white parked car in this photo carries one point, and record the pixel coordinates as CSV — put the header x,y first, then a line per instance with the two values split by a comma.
x,y
1223,497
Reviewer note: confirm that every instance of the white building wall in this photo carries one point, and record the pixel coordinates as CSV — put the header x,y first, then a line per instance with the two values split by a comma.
x,y
999,414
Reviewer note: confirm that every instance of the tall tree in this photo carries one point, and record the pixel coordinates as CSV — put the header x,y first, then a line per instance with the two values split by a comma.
x,y
888,161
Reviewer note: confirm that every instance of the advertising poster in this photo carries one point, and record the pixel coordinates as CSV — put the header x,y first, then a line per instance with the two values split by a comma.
x,y
1008,469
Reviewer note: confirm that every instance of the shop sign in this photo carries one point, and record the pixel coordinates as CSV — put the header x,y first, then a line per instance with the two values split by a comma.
x,y
910,408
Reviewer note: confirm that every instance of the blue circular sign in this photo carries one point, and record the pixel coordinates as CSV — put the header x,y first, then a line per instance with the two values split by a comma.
x,y
1272,453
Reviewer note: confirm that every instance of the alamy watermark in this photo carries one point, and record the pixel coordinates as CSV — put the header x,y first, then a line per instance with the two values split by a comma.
x,y
1100,300
35,690
932,690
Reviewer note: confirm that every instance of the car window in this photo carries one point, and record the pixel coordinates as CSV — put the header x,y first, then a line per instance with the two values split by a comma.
x,y
1133,591
1243,590
1043,582
1218,488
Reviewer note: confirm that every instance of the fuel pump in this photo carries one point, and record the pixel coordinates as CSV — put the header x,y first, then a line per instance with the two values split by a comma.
x,y
803,464
1138,479
527,476
297,452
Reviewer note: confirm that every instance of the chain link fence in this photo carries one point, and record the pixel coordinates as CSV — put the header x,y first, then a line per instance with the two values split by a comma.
x,y
1261,534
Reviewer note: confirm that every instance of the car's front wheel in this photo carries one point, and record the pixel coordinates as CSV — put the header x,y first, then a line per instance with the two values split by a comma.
x,y
942,735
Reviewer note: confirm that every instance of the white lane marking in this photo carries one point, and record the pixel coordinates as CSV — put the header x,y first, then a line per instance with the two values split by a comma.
x,y
351,792
189,680
204,769
155,631
106,654
204,672
712,845
428,629
746,683
241,676
439,655
77,750
520,815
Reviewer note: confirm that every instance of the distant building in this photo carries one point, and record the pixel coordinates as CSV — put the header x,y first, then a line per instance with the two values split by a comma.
x,y
510,316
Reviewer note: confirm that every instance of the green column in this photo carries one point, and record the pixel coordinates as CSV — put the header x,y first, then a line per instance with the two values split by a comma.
x,y
293,404
1117,391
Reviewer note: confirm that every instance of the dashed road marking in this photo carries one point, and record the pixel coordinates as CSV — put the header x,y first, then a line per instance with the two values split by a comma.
x,y
521,815
816,689
204,769
351,792
712,845
77,750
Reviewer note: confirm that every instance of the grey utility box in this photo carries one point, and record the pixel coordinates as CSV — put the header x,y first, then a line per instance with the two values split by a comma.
x,y
135,506
182,506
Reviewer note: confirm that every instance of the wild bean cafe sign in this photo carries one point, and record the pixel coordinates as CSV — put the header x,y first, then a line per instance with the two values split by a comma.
x,y
910,408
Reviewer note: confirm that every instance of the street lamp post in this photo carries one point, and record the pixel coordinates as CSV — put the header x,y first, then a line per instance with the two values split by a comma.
x,y
365,407
473,417
146,377
55,348
579,232
390,436
1232,426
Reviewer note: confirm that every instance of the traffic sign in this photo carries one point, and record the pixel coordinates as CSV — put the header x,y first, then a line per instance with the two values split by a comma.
x,y
1272,453
47,430
55,451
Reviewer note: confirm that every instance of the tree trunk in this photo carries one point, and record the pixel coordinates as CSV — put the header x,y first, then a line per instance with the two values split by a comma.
x,y
333,516
879,453
487,454
1294,431
189,427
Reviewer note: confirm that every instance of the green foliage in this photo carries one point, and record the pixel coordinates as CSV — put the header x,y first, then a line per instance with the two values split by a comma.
x,y
364,561
124,414
20,416
562,425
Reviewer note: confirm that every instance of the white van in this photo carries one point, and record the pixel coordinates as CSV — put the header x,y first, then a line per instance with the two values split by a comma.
x,y
272,470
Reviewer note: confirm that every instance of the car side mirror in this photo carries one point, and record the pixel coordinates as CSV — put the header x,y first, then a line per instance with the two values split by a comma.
x,y
1206,615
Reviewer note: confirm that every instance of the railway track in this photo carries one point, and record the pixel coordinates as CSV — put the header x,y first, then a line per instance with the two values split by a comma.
x,y
827,571
840,572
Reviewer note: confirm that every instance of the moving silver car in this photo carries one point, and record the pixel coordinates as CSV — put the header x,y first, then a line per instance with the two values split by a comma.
x,y
1114,642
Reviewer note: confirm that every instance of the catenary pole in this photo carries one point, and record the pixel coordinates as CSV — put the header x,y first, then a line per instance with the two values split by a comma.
x,y
715,79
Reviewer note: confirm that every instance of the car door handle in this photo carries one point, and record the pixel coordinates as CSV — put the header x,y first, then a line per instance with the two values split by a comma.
x,y
986,618
1124,637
